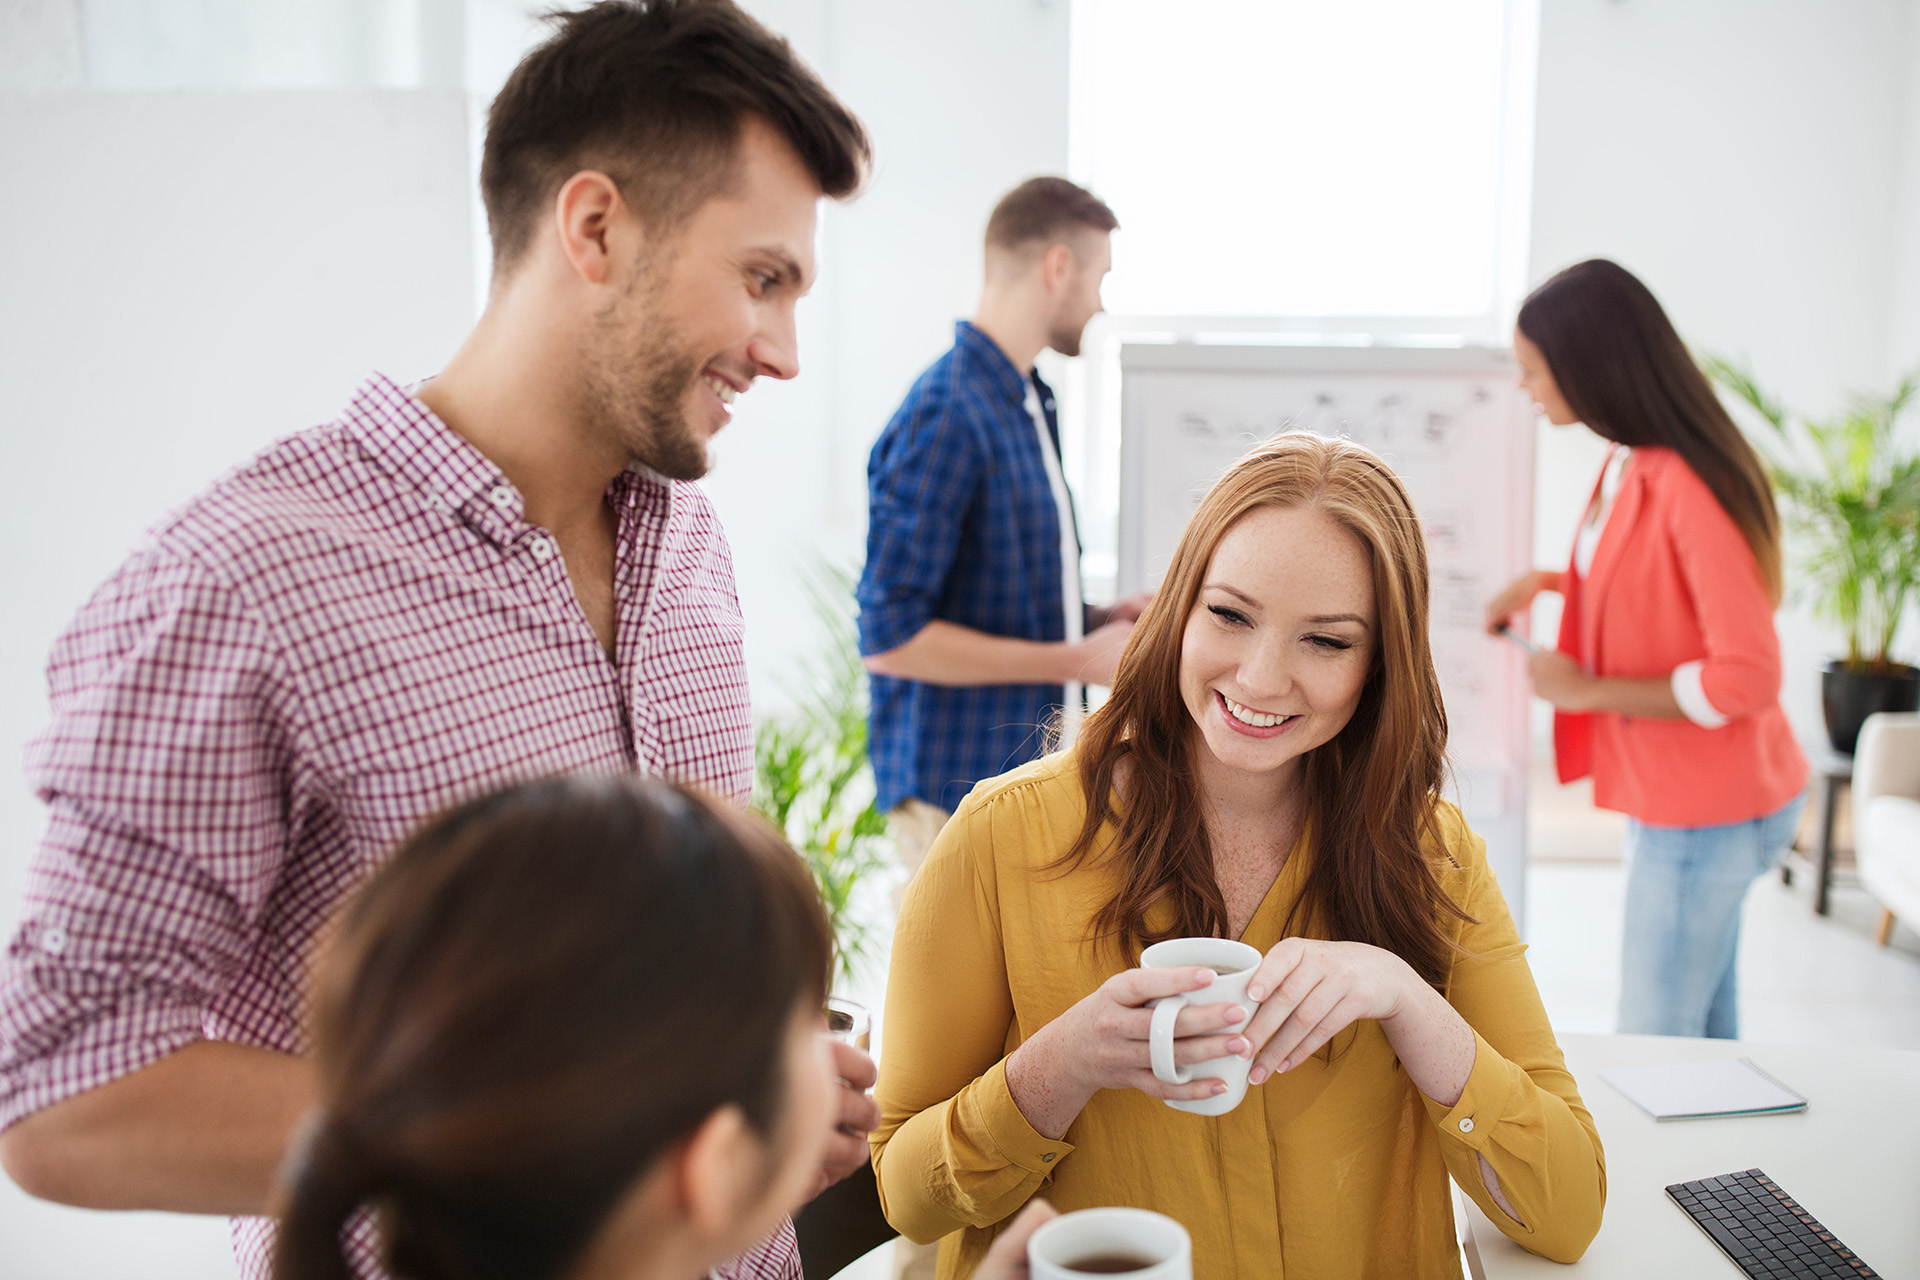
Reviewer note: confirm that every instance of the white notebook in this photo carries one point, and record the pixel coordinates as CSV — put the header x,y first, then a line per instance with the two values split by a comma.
x,y
1704,1090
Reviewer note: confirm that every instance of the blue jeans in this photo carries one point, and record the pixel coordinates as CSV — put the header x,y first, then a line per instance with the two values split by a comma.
x,y
1685,886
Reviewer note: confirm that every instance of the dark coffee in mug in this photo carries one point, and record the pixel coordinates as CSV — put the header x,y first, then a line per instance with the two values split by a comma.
x,y
1112,1262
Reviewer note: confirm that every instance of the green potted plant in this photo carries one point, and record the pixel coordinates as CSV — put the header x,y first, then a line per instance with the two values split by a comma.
x,y
1851,492
812,779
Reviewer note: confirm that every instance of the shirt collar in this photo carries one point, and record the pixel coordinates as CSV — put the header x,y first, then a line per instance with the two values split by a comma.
x,y
999,369
409,441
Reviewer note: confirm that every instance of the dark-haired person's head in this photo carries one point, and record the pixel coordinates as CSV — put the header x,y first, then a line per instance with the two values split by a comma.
x,y
1054,237
1594,346
570,1030
651,176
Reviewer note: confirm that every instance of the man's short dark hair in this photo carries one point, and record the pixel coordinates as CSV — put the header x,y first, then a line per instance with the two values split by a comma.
x,y
1046,210
652,93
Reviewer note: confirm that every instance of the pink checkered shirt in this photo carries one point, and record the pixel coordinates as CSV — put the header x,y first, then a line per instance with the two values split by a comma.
x,y
343,637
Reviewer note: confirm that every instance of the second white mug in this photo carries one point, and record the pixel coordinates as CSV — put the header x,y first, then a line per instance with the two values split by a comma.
x,y
1125,1242
1233,964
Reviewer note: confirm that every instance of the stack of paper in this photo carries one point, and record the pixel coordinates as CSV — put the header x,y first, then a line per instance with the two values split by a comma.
x,y
1703,1090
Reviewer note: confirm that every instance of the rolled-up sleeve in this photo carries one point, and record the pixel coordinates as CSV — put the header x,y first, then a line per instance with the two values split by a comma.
x,y
1740,673
1521,1109
920,484
165,768
953,1148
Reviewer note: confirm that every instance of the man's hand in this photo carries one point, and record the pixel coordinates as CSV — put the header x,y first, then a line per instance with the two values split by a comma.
x,y
1128,610
1099,653
856,1116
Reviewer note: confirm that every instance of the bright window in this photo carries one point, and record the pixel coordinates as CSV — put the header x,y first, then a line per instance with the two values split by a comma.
x,y
1339,158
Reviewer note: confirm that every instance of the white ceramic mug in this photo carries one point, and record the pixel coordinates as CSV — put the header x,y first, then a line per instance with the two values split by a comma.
x,y
1105,1240
1233,964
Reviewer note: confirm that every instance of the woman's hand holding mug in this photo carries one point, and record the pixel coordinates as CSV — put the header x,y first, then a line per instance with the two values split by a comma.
x,y
1113,1025
1310,991
1235,963
1102,1042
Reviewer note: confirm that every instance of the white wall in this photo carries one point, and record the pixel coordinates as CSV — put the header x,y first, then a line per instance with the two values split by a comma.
x,y
1754,161
1903,330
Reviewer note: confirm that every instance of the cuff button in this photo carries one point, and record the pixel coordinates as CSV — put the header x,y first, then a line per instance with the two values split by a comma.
x,y
1047,1158
1466,1124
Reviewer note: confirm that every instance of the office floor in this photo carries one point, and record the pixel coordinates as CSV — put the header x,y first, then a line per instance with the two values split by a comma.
x,y
1804,979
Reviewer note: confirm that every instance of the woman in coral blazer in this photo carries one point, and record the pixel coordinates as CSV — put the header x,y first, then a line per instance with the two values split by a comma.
x,y
1666,678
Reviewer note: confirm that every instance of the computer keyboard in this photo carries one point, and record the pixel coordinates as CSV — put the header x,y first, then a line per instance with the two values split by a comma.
x,y
1764,1230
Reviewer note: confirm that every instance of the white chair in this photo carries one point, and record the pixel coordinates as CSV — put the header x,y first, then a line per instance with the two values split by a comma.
x,y
1886,816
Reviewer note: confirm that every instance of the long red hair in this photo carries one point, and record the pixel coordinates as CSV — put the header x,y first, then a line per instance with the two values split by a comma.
x,y
1370,791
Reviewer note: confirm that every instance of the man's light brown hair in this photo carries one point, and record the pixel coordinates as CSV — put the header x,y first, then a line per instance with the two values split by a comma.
x,y
652,93
1046,211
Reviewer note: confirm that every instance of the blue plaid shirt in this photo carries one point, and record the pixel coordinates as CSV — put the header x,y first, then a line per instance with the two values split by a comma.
x,y
961,526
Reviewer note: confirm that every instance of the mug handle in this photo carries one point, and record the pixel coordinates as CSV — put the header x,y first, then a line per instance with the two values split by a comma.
x,y
1160,1041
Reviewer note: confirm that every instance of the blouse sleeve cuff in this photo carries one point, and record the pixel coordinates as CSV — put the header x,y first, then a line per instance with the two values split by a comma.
x,y
995,1114
1471,1120
1692,696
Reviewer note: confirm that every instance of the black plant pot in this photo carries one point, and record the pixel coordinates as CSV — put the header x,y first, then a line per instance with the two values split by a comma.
x,y
1849,696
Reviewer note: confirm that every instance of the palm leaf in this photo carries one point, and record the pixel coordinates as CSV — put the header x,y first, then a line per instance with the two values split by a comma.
x,y
1851,499
812,778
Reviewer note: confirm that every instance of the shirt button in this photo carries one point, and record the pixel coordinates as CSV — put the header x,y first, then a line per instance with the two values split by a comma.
x,y
501,497
1047,1158
53,941
1466,1124
542,549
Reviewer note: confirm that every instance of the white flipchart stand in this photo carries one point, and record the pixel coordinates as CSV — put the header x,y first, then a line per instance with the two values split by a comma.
x,y
1460,435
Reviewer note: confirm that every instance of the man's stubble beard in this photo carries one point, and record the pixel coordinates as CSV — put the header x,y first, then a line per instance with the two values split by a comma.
x,y
637,390
1066,340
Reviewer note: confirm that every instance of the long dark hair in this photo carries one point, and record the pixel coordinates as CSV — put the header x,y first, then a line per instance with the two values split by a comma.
x,y
539,994
1370,792
1621,367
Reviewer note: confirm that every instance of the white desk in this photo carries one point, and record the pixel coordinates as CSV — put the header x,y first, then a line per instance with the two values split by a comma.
x,y
1852,1159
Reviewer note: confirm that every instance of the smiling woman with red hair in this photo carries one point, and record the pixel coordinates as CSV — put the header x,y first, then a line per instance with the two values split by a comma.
x,y
1268,769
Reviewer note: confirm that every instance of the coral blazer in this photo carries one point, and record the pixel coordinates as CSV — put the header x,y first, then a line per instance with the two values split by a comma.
x,y
1674,581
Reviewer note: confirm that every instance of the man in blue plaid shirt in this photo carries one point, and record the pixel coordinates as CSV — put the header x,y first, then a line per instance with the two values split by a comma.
x,y
972,621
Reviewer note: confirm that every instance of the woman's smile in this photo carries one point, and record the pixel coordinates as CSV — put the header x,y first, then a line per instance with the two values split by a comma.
x,y
1279,641
1255,724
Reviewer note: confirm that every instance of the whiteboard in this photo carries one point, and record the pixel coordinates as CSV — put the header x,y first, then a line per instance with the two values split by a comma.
x,y
1459,434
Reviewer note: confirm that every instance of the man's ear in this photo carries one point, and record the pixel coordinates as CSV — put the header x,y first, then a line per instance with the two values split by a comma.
x,y
586,210
1056,267
718,1167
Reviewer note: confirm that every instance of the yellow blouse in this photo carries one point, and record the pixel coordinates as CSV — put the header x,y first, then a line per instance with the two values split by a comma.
x,y
1337,1168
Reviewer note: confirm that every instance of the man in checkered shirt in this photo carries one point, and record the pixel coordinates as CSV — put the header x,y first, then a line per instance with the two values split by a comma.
x,y
502,574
